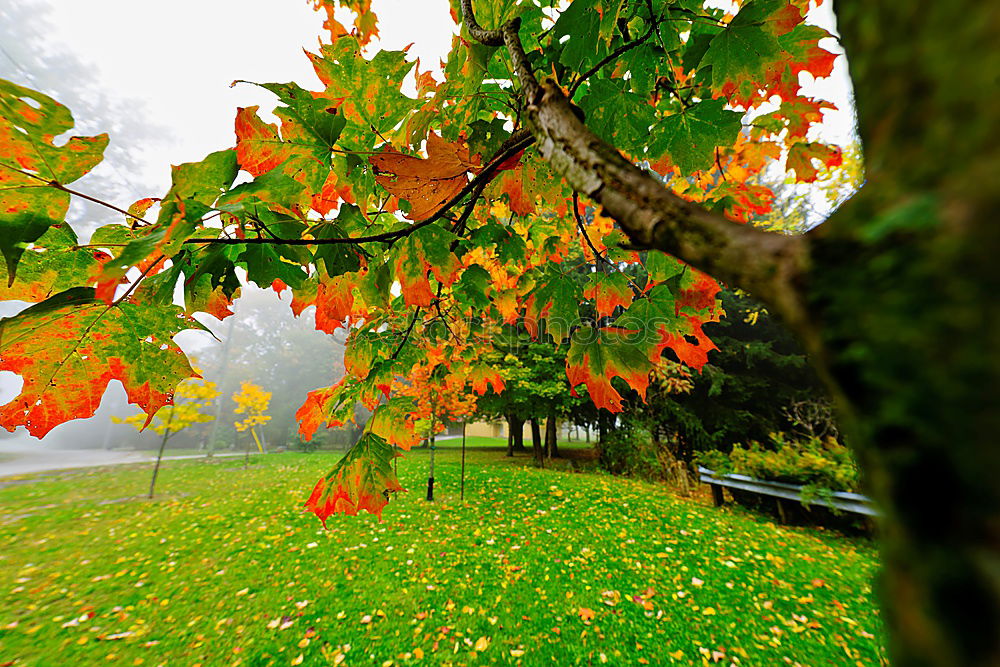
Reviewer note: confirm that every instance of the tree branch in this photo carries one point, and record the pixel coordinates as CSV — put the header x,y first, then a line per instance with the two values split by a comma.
x,y
769,265
516,143
406,334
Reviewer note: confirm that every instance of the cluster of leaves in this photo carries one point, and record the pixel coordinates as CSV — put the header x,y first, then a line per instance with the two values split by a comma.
x,y
251,400
419,223
823,463
756,374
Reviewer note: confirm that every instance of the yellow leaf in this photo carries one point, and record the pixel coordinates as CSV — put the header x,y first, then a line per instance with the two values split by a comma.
x,y
298,659
482,644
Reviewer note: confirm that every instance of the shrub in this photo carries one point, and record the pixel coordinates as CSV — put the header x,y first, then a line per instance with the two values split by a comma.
x,y
820,463
632,451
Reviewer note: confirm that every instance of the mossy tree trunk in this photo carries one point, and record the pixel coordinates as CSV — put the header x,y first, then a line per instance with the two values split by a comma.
x,y
905,289
896,298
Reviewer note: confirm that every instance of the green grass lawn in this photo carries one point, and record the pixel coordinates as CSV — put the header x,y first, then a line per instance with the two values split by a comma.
x,y
536,567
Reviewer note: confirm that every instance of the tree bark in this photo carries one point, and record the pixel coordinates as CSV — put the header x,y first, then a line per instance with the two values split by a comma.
x,y
536,441
515,435
551,448
519,435
510,439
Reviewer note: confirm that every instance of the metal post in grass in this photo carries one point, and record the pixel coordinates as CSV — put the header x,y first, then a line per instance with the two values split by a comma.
x,y
462,487
430,476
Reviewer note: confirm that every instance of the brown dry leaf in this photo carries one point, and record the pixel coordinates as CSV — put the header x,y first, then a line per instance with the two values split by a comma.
x,y
427,183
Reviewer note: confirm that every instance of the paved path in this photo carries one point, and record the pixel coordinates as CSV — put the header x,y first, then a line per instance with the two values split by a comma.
x,y
16,461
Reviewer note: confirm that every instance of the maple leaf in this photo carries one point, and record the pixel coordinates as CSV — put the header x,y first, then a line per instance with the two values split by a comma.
x,y
741,53
29,122
609,290
512,185
596,356
802,154
481,376
392,422
556,300
426,250
691,136
52,264
258,145
679,339
334,302
362,480
369,90
67,349
313,412
426,183
698,293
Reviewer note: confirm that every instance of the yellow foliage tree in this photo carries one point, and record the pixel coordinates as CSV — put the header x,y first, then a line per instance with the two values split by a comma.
x,y
252,401
191,396
189,399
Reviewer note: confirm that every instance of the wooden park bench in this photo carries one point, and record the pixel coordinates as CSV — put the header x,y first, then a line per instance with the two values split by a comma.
x,y
843,501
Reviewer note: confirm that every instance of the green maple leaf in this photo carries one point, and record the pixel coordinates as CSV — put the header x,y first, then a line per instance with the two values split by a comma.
x,y
308,118
266,263
29,121
555,300
578,29
53,264
691,136
369,89
618,115
741,54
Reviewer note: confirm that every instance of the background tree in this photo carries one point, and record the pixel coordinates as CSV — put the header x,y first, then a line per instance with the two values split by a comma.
x,y
191,397
755,376
251,400
535,388
263,345
439,399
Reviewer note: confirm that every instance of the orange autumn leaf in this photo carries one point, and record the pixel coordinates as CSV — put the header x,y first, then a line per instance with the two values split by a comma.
x,y
334,301
693,354
512,185
427,183
258,146
482,376
362,480
596,356
609,291
69,347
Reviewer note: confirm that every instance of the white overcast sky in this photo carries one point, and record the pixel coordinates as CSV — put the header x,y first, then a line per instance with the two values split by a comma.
x,y
180,58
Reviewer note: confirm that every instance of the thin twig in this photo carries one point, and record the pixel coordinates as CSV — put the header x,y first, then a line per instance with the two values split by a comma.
x,y
598,256
406,334
59,186
614,55
477,183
